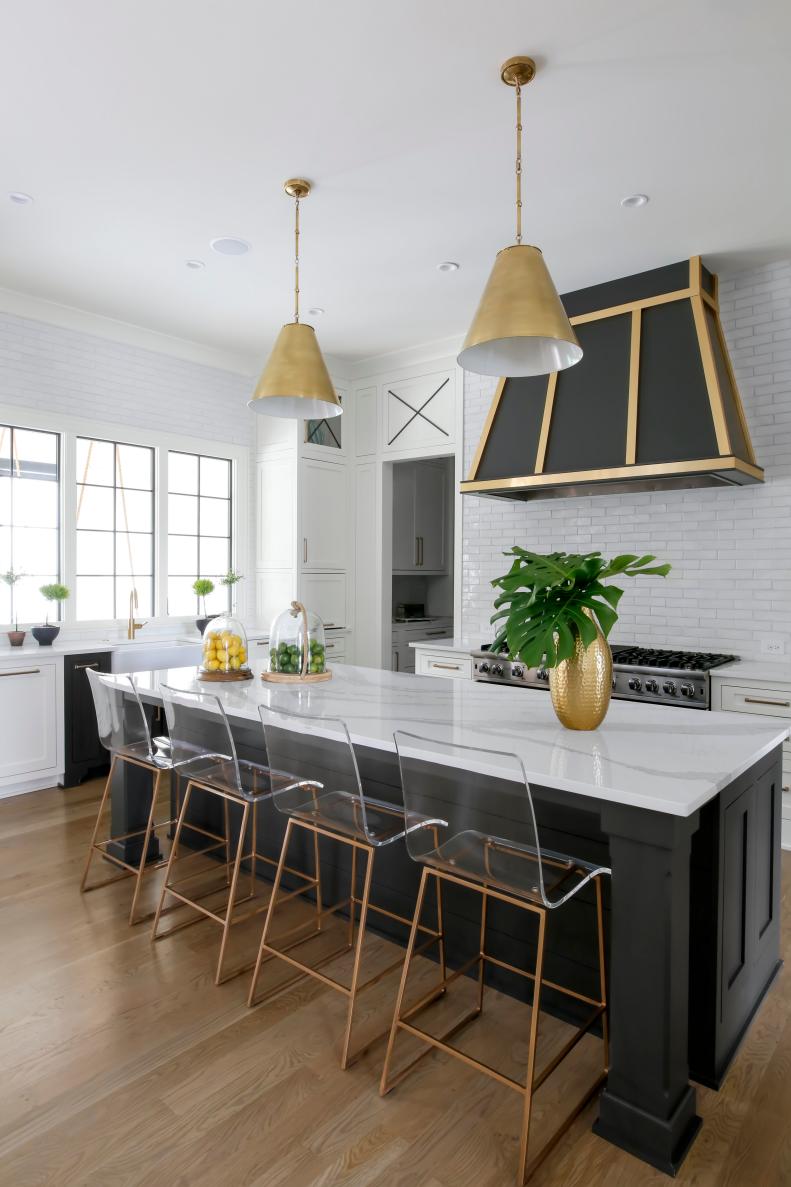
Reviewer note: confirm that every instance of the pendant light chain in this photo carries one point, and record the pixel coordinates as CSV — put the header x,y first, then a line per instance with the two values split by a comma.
x,y
296,259
518,163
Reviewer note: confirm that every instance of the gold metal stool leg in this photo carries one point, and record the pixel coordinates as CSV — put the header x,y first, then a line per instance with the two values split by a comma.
x,y
92,847
532,1047
384,1087
141,869
218,979
358,954
270,911
171,859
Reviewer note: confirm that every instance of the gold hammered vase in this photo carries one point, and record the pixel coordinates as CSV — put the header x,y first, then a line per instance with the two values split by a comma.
x,y
581,687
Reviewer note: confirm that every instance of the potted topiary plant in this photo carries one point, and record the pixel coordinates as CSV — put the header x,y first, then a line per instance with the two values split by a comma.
x,y
230,580
556,613
15,637
203,586
46,634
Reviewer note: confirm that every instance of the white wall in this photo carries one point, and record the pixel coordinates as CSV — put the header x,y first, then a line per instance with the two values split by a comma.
x,y
50,368
730,588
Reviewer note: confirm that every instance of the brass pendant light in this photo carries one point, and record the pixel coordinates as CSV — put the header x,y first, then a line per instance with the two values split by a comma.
x,y
295,381
520,327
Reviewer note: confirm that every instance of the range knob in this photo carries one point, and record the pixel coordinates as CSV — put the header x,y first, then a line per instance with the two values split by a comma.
x,y
484,667
651,686
687,690
542,674
517,671
497,669
635,684
669,687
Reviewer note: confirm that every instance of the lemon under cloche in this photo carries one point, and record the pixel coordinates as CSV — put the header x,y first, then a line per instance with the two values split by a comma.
x,y
225,652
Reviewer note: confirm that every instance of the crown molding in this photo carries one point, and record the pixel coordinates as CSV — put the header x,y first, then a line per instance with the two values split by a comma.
x,y
84,322
410,356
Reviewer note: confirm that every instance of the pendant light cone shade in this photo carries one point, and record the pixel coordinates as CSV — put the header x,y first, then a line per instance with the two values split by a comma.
x,y
295,382
520,327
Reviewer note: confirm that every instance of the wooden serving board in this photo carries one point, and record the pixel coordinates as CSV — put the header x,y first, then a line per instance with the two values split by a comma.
x,y
223,676
293,678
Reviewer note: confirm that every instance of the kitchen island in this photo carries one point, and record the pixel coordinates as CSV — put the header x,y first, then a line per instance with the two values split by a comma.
x,y
684,806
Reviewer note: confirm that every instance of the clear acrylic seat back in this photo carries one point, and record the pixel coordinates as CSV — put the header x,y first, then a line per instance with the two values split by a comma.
x,y
200,735
120,718
319,752
480,814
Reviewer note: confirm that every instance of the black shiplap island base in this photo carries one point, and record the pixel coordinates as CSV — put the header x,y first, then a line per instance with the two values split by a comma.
x,y
683,806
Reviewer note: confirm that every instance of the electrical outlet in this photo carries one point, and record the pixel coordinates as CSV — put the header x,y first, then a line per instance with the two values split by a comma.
x,y
773,647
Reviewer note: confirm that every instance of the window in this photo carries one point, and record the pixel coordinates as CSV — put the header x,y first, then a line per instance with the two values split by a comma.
x,y
29,521
115,528
199,529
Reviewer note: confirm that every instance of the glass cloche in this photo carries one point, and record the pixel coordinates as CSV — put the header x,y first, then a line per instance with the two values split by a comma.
x,y
296,646
224,650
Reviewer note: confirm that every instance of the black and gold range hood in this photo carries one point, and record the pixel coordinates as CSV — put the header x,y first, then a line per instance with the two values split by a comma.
x,y
653,404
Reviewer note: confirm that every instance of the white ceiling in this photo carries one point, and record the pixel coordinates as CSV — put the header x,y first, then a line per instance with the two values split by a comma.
x,y
145,128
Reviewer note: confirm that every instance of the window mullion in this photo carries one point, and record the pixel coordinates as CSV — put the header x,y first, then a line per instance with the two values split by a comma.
x,y
161,531
68,523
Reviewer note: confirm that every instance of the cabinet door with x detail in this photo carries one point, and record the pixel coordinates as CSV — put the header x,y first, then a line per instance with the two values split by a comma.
x,y
419,412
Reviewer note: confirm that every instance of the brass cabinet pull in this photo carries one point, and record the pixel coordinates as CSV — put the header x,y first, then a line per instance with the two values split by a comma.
x,y
447,667
420,538
262,642
764,701
304,550
430,634
417,551
84,667
25,672
787,788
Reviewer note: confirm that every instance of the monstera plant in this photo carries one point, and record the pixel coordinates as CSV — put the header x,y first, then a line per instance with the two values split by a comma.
x,y
555,608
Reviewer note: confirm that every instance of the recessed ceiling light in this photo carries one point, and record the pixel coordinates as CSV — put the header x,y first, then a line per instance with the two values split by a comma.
x,y
230,246
448,266
316,311
196,265
20,199
635,200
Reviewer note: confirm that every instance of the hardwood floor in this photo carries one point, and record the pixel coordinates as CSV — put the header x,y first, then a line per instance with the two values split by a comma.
x,y
123,1065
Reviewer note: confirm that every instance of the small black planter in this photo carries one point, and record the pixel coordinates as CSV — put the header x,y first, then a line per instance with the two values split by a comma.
x,y
202,623
45,635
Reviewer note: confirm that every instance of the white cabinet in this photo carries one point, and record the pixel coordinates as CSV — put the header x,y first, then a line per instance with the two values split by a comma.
x,y
325,515
31,727
760,691
419,518
449,665
419,412
430,495
325,594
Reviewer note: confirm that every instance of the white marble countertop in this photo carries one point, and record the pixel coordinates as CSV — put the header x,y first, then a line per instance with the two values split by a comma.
x,y
771,670
665,759
456,646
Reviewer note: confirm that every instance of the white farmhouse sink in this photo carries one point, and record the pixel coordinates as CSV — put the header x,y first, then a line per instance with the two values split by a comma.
x,y
143,655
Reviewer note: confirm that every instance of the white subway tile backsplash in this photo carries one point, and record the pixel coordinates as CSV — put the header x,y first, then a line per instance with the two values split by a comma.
x,y
730,587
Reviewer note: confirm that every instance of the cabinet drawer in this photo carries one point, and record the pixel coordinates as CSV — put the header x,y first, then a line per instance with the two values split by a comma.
x,y
28,711
446,665
741,699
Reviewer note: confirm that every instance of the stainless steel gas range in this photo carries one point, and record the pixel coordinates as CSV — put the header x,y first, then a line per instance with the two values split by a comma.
x,y
638,674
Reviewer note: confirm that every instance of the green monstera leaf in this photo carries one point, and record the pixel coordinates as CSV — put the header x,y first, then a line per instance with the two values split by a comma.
x,y
549,601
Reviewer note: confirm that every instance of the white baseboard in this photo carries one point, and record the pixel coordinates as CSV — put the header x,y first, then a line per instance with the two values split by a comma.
x,y
27,785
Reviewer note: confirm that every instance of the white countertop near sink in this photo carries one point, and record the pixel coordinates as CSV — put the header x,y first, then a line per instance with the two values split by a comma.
x,y
663,758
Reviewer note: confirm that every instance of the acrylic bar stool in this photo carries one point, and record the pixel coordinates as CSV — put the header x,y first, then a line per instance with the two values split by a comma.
x,y
511,869
204,753
124,731
335,807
